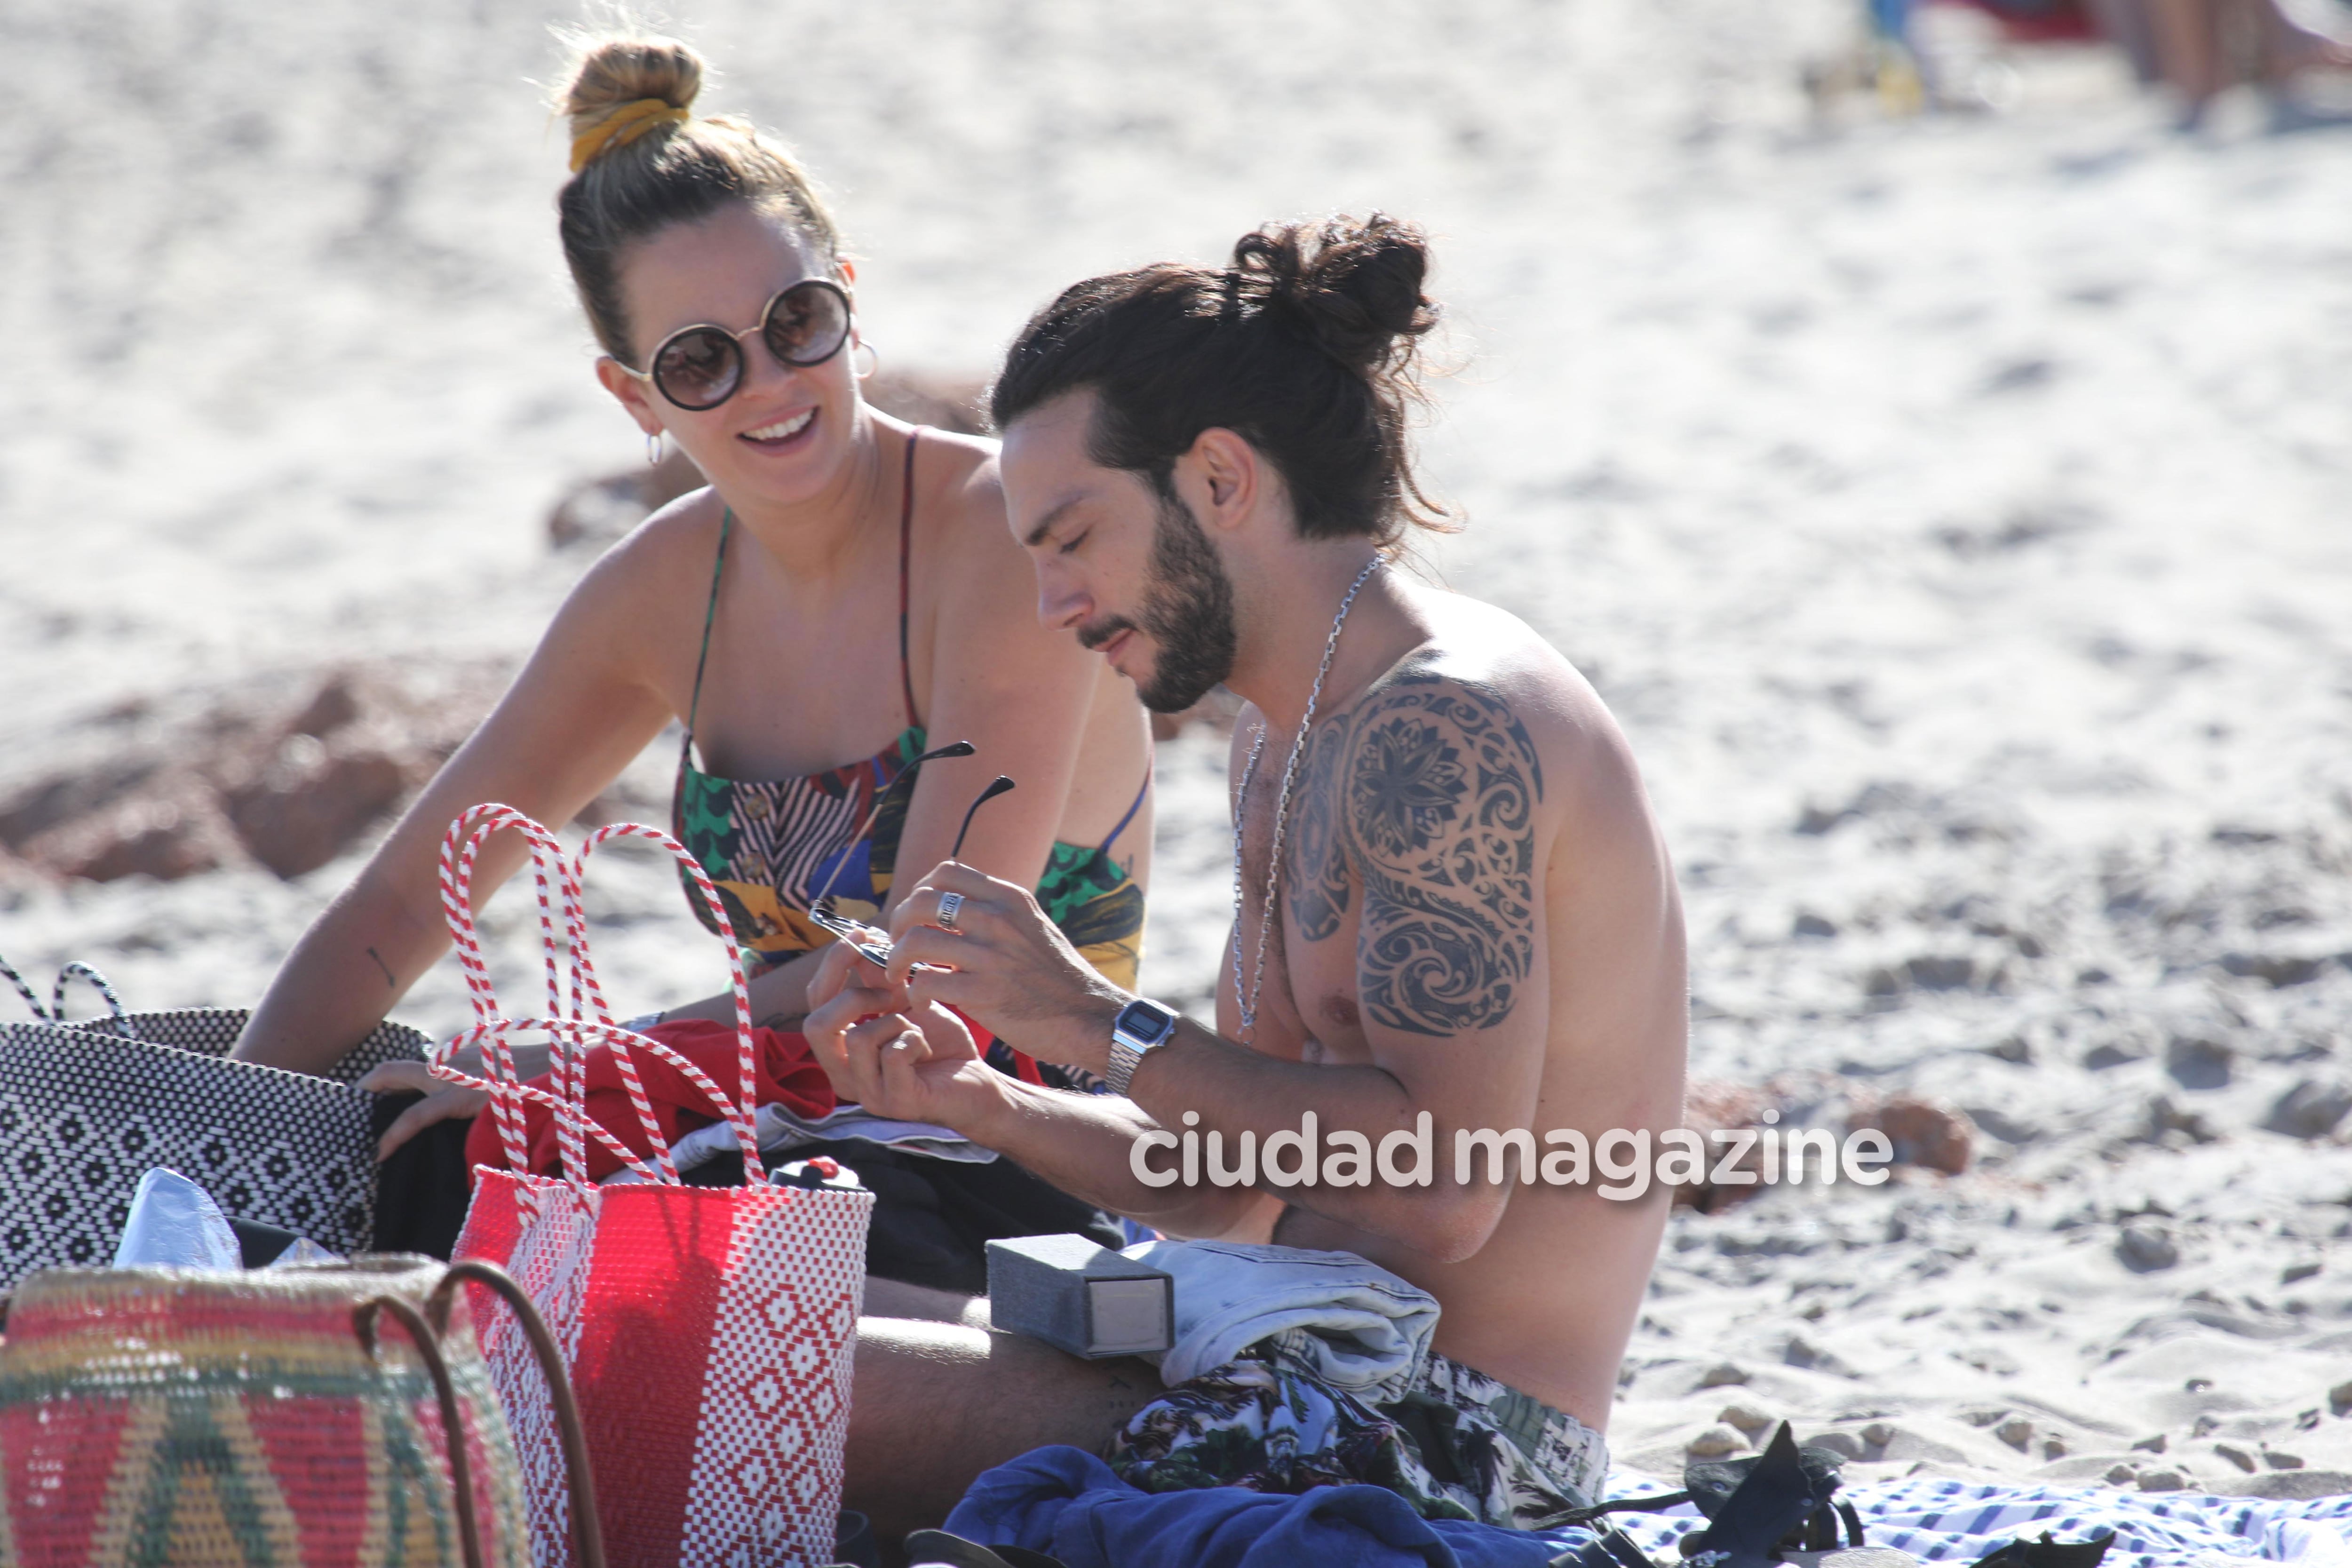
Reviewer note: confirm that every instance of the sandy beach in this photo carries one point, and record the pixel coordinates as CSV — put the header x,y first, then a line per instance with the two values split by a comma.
x,y
1956,512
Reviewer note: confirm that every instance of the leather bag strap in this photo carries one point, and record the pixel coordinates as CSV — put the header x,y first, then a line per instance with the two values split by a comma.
x,y
587,1531
453,1426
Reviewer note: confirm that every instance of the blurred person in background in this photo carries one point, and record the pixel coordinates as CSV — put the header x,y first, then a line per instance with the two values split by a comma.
x,y
2200,49
2197,49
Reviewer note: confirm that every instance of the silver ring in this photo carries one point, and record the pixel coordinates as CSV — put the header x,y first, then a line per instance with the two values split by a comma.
x,y
950,906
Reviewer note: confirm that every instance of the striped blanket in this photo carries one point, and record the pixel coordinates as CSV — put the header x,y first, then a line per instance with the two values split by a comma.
x,y
1961,1522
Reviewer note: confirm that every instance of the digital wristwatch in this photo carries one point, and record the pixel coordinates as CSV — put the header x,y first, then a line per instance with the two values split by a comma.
x,y
1142,1025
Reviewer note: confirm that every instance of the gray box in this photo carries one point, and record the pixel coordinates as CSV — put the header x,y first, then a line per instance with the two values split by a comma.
x,y
1079,1296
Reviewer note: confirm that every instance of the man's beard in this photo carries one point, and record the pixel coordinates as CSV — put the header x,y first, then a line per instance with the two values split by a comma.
x,y
1187,612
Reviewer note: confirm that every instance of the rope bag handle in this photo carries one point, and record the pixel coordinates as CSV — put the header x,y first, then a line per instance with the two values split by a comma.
x,y
739,1109
55,1013
569,1021
460,848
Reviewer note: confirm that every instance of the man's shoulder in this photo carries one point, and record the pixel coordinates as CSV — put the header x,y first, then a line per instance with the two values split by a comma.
x,y
1497,663
1485,677
1422,809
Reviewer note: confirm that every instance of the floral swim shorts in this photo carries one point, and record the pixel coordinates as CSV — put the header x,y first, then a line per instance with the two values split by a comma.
x,y
1455,1444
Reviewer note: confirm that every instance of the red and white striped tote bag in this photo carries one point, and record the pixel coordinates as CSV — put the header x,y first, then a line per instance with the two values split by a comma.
x,y
710,1331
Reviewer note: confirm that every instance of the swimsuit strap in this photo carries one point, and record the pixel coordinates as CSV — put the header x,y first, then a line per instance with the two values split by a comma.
x,y
710,619
1131,810
719,568
906,530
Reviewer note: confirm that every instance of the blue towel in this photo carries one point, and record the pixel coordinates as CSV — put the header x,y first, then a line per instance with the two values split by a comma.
x,y
1067,1503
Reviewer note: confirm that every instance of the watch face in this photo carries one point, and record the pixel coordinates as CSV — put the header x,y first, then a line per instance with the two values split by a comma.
x,y
1147,1021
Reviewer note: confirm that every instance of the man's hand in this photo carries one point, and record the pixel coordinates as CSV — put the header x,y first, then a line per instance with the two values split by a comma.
x,y
916,1066
1005,965
442,1102
842,967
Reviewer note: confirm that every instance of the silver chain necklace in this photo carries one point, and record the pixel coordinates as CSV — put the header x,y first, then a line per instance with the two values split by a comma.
x,y
1248,999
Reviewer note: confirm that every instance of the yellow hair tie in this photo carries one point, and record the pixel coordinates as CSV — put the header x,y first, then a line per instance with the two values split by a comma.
x,y
621,127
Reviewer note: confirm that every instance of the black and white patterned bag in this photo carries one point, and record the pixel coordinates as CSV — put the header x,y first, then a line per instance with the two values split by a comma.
x,y
87,1107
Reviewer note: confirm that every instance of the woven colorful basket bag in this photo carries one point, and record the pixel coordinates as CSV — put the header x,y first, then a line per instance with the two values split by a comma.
x,y
331,1416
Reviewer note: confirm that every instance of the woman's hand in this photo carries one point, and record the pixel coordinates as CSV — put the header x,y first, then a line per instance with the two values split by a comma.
x,y
916,1066
442,1102
1004,964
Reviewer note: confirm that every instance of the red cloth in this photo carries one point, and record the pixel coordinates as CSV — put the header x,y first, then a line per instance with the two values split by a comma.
x,y
788,1076
2047,22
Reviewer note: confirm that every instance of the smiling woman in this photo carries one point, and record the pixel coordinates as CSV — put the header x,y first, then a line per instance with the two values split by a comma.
x,y
843,591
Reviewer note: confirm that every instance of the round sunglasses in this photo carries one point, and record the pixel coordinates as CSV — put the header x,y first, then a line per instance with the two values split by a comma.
x,y
699,367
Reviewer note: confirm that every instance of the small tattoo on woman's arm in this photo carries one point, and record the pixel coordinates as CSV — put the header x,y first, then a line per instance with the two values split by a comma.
x,y
380,964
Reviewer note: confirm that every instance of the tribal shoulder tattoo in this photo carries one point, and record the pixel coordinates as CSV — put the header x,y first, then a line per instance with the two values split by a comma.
x,y
1426,793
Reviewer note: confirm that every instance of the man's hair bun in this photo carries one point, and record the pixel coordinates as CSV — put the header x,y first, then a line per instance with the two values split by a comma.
x,y
1307,347
613,72
1354,285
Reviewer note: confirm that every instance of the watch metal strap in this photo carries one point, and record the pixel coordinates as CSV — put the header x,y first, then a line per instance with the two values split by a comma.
x,y
1124,1060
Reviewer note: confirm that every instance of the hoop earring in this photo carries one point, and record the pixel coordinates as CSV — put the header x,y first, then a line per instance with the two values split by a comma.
x,y
654,450
873,360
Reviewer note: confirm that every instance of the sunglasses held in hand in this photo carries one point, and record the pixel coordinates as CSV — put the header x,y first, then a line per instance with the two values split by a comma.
x,y
865,938
699,367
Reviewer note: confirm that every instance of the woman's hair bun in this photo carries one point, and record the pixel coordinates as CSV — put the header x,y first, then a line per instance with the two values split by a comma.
x,y
615,70
642,161
1356,286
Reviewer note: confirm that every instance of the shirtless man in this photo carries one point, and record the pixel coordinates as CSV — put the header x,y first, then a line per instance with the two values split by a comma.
x,y
1475,919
